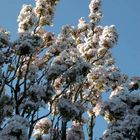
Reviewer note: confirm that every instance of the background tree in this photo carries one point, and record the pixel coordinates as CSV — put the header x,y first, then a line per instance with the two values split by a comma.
x,y
66,75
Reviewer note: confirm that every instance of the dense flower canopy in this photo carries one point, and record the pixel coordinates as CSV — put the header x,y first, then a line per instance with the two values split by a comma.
x,y
65,74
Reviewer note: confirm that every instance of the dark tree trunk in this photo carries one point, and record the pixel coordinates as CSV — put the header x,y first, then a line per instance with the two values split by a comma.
x,y
63,129
91,126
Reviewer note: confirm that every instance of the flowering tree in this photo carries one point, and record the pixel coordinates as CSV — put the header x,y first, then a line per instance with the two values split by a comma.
x,y
66,75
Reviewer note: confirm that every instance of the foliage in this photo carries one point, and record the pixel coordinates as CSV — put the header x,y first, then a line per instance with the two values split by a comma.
x,y
66,75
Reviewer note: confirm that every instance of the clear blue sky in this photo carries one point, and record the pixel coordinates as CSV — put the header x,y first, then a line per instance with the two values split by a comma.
x,y
122,13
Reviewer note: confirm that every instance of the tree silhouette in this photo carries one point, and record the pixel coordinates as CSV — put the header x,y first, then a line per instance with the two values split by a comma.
x,y
65,74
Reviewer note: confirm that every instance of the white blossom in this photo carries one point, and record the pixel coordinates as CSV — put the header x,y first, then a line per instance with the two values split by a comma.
x,y
4,37
109,37
67,108
75,132
44,10
27,44
95,11
16,129
26,19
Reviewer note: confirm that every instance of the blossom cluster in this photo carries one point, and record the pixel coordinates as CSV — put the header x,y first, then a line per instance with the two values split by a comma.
x,y
97,43
6,107
95,11
17,128
26,18
122,113
45,11
4,37
42,127
27,44
41,14
67,108
75,132
4,45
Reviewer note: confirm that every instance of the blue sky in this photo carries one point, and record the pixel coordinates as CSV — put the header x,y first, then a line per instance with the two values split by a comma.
x,y
122,13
